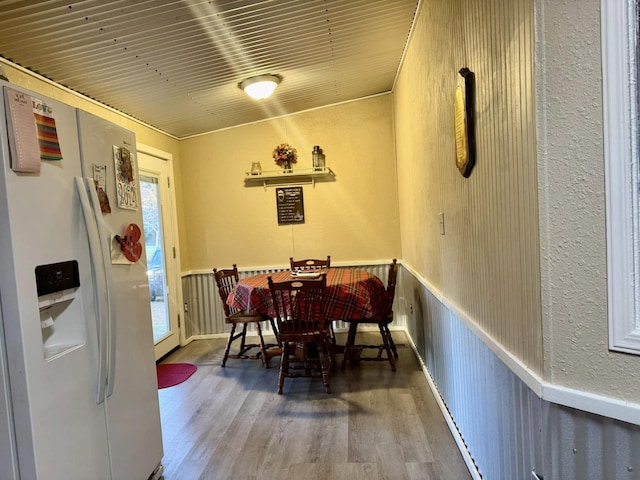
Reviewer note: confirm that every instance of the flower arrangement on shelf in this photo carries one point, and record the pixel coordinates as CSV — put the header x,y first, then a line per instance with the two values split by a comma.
x,y
284,155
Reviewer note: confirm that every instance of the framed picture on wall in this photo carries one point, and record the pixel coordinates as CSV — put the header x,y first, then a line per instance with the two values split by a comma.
x,y
290,205
465,121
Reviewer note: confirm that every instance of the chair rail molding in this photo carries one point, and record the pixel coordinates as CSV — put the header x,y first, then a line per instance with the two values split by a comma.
x,y
558,394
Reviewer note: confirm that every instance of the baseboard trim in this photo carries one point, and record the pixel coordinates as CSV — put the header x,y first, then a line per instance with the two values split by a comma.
x,y
209,336
471,466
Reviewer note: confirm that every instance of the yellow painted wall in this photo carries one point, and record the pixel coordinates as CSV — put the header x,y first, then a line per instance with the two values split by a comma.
x,y
144,134
220,221
487,264
354,218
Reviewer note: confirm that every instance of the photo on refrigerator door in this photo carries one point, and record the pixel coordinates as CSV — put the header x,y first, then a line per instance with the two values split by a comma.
x,y
125,169
100,180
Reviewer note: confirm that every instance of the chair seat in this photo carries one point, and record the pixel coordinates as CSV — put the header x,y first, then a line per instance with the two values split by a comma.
x,y
286,333
372,321
245,317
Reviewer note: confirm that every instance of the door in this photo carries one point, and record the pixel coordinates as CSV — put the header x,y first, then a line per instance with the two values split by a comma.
x,y
159,222
49,351
131,389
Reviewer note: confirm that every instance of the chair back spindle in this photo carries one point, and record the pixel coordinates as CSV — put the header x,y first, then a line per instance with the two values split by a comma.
x,y
309,264
299,305
226,280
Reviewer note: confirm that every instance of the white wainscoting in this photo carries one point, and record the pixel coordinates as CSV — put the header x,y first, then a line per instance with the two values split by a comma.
x,y
204,315
505,426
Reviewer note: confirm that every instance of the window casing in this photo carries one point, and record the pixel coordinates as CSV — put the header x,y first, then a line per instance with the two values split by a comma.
x,y
620,98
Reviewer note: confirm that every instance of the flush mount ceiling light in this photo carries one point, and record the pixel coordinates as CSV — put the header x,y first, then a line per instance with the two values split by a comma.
x,y
261,86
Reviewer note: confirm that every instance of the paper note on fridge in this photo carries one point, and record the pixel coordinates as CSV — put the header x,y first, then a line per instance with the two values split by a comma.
x,y
48,143
22,131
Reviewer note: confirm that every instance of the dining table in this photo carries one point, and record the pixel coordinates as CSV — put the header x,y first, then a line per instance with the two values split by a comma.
x,y
350,294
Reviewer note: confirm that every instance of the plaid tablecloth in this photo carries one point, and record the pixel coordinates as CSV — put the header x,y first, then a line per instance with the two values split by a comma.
x,y
351,294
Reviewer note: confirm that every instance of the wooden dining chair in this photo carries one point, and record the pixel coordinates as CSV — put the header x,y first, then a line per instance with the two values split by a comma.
x,y
226,280
353,351
309,264
304,334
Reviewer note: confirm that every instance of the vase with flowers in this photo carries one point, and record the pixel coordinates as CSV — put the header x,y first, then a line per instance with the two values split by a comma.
x,y
284,155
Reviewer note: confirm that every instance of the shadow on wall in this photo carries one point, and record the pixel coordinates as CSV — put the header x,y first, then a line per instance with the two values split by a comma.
x,y
419,318
409,291
417,321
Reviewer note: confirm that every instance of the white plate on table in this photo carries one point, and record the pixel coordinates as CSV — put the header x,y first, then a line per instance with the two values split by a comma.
x,y
305,274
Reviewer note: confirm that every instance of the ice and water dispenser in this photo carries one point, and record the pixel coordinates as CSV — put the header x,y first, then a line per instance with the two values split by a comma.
x,y
60,306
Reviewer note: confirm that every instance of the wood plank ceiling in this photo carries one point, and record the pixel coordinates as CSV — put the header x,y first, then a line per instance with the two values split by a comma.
x,y
176,64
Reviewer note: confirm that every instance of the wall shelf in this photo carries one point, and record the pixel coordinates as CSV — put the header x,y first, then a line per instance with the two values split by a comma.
x,y
298,176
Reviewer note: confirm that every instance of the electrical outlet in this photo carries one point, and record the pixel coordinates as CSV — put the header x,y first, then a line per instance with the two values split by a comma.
x,y
441,220
411,308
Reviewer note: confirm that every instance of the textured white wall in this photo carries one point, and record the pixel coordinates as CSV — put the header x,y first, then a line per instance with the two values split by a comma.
x,y
572,204
487,263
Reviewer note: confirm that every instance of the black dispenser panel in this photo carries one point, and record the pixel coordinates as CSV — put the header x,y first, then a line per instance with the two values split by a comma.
x,y
57,277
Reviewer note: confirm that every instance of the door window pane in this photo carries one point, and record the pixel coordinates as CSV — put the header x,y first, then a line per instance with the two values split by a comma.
x,y
152,219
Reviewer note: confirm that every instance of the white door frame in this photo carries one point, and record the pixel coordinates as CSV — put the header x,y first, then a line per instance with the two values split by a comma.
x,y
171,245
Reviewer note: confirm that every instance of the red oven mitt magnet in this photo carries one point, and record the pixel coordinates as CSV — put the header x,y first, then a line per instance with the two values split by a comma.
x,y
130,242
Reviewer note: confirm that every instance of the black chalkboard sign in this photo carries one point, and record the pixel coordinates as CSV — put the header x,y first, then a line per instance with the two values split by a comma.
x,y
290,205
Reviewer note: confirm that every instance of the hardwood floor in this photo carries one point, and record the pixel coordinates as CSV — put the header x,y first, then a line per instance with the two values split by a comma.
x,y
229,423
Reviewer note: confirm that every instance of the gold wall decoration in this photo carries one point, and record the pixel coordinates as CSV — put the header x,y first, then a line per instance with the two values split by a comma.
x,y
465,121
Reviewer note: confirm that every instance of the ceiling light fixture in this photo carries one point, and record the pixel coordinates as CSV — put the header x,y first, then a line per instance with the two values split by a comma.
x,y
260,87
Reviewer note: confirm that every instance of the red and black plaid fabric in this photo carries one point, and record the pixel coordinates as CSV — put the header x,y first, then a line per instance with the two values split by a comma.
x,y
351,294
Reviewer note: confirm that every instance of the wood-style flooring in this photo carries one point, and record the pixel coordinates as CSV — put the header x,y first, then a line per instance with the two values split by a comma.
x,y
230,423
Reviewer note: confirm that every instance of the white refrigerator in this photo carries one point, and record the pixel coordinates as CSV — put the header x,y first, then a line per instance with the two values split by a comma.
x,y
78,388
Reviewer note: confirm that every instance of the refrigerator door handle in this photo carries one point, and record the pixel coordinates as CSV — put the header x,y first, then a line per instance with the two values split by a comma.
x,y
105,242
99,279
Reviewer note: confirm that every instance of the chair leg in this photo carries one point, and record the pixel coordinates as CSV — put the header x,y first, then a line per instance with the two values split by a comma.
x,y
387,346
331,346
305,356
391,342
263,349
351,340
323,351
243,338
275,331
284,366
333,333
226,350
